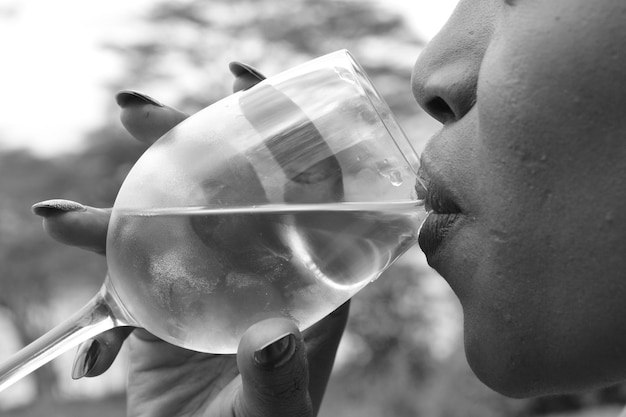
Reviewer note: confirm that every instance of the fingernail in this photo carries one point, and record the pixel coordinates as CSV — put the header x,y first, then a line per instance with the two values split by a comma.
x,y
86,358
239,69
126,98
277,352
51,208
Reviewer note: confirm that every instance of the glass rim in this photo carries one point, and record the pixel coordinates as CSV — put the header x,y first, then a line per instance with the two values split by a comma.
x,y
387,117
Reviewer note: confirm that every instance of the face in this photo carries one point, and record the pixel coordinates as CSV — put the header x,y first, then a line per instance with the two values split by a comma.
x,y
527,183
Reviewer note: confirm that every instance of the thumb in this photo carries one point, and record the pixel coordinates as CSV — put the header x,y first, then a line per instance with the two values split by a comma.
x,y
274,371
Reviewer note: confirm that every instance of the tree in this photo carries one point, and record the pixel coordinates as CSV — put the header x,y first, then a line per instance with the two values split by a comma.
x,y
34,270
183,53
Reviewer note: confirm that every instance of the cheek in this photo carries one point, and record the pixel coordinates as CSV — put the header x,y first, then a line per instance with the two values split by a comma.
x,y
551,212
552,134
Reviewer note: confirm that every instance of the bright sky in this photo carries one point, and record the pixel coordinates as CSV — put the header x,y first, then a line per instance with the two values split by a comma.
x,y
53,70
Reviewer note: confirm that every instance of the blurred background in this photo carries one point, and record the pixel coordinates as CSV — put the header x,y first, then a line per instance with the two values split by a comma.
x,y
60,137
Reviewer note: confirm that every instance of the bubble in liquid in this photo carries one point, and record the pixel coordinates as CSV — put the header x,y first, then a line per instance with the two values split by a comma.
x,y
387,169
396,178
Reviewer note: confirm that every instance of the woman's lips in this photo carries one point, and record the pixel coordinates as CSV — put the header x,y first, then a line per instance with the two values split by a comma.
x,y
434,231
443,214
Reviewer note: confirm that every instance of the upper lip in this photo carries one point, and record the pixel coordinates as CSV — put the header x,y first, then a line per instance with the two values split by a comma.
x,y
438,198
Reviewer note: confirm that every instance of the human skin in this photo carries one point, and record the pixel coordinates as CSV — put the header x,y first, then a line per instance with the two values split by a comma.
x,y
532,154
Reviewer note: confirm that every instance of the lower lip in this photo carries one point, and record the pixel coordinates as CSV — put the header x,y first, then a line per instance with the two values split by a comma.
x,y
434,231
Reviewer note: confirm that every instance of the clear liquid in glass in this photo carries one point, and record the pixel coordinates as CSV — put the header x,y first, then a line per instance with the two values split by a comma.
x,y
200,276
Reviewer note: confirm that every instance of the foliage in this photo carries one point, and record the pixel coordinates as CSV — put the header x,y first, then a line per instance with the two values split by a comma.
x,y
186,46
34,270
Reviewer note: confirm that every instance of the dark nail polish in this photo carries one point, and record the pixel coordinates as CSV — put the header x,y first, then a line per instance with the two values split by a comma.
x,y
239,69
127,98
277,352
86,358
51,208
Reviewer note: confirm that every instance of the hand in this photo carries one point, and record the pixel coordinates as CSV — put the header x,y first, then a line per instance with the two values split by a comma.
x,y
274,372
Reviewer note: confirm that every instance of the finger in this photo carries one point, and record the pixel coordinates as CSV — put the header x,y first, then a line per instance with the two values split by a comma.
x,y
148,119
144,117
322,341
245,76
74,224
274,371
96,355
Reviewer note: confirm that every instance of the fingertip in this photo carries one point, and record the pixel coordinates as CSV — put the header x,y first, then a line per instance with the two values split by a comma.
x,y
244,82
83,228
86,356
245,76
239,68
127,98
270,342
145,118
148,123
277,352
95,356
50,208
274,369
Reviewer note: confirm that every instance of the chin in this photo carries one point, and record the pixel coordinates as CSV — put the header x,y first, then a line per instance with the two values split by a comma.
x,y
519,368
505,381
499,367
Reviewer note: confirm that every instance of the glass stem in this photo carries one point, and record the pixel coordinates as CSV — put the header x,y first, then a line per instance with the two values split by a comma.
x,y
101,313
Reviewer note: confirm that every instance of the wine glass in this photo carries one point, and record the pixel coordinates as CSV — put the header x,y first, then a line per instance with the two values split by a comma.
x,y
282,200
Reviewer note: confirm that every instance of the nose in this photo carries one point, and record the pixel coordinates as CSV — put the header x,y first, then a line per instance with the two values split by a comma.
x,y
445,76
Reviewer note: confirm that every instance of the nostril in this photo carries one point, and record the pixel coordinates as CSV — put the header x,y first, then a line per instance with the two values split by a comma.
x,y
440,110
